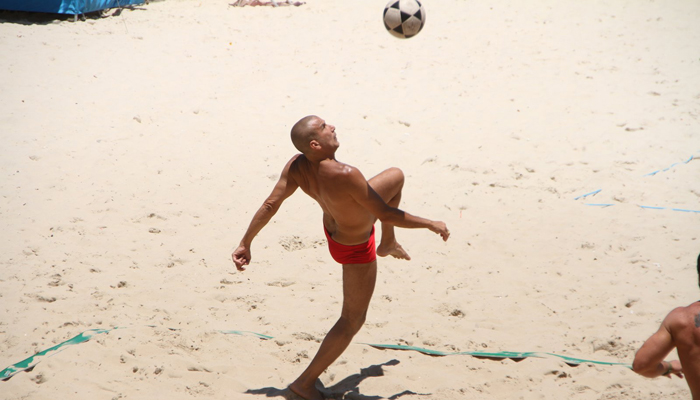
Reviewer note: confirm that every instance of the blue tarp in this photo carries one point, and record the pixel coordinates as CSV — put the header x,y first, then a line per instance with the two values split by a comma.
x,y
64,6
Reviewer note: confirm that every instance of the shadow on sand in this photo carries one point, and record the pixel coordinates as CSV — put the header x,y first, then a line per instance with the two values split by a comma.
x,y
348,388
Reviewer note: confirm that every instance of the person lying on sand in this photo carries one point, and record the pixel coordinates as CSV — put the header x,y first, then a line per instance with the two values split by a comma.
x,y
351,205
273,3
680,329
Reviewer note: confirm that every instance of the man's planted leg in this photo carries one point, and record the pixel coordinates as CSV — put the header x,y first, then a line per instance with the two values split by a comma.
x,y
358,286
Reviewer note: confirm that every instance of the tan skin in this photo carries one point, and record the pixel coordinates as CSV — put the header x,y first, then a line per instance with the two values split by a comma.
x,y
681,330
351,205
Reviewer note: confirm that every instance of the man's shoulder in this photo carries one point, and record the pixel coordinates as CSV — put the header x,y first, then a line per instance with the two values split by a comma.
x,y
683,317
298,162
339,170
300,157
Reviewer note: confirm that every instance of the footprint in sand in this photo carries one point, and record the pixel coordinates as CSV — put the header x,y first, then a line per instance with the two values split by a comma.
x,y
449,311
305,336
280,283
614,347
39,379
293,243
41,298
55,280
119,285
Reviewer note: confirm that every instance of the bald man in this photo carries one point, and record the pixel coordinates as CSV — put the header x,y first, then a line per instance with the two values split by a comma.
x,y
351,205
681,330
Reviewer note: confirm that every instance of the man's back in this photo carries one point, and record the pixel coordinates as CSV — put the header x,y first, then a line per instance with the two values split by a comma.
x,y
684,325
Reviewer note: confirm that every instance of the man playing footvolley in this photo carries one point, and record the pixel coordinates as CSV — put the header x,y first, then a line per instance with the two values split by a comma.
x,y
351,205
680,329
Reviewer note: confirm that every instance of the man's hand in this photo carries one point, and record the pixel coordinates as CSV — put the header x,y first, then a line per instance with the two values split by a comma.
x,y
675,369
440,228
241,257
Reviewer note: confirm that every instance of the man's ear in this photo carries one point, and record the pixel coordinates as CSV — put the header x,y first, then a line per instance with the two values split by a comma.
x,y
314,145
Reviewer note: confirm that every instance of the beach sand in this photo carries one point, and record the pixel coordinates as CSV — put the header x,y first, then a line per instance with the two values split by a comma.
x,y
136,148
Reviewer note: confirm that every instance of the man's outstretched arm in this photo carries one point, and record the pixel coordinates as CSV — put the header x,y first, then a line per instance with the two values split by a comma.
x,y
362,192
282,190
649,360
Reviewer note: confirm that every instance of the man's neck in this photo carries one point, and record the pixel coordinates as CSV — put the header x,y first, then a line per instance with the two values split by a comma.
x,y
318,158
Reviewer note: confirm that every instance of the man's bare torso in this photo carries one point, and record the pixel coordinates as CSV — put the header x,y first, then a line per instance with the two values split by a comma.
x,y
685,329
348,222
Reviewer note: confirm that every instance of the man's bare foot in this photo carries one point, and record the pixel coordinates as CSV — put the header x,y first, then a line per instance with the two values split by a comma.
x,y
304,394
395,250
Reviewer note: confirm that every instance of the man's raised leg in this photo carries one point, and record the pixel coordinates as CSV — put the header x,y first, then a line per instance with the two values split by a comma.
x,y
358,286
388,184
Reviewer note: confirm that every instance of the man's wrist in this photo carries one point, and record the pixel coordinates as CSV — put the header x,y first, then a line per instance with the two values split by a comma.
x,y
668,369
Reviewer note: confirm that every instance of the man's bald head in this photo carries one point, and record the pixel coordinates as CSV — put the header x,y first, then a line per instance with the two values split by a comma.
x,y
303,132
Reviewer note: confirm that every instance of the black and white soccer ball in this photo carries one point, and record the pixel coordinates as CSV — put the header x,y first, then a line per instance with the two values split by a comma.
x,y
404,18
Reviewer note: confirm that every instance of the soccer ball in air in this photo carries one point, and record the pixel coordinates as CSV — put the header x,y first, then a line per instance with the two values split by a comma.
x,y
404,18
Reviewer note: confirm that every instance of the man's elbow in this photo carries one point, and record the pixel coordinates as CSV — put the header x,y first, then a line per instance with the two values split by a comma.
x,y
270,206
643,368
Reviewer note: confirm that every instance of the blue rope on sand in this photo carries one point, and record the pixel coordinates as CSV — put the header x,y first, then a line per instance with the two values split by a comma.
x,y
587,194
666,169
646,207
672,209
653,208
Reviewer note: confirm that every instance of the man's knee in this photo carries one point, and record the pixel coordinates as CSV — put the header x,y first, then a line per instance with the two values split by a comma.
x,y
354,323
396,175
395,172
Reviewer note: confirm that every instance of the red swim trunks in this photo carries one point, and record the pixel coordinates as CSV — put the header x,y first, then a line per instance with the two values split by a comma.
x,y
356,254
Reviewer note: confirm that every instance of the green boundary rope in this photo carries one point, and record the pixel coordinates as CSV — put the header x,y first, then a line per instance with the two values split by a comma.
x,y
30,362
499,354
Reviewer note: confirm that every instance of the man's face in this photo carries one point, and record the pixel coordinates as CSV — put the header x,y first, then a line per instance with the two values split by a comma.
x,y
326,133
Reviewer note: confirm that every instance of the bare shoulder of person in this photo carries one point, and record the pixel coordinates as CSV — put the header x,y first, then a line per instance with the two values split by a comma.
x,y
682,317
293,171
353,179
339,171
349,172
297,158
295,161
692,313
